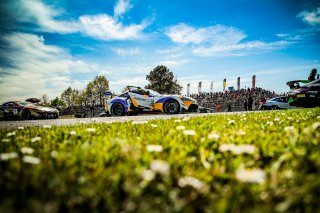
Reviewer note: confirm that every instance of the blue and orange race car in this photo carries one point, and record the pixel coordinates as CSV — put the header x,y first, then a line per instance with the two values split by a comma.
x,y
136,100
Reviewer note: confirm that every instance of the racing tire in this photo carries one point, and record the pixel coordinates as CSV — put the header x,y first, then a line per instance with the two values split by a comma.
x,y
171,107
117,109
26,115
274,108
193,108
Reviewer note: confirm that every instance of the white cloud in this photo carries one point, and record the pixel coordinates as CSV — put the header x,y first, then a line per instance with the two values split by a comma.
x,y
219,40
38,68
239,49
100,26
105,27
311,17
122,7
125,52
34,11
217,34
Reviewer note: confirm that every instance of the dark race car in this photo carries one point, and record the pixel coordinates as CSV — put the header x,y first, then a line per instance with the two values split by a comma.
x,y
306,95
26,110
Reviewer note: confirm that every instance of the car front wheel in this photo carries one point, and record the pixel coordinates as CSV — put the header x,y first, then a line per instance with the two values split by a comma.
x,y
117,109
171,107
26,115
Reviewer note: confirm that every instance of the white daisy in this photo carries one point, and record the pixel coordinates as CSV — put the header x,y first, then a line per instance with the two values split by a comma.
x,y
27,150
237,149
180,127
91,130
11,134
160,166
193,182
214,136
35,139
154,148
189,132
8,156
147,175
251,175
31,160
231,122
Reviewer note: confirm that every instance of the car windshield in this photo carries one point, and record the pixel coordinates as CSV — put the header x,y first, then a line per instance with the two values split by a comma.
x,y
152,92
25,103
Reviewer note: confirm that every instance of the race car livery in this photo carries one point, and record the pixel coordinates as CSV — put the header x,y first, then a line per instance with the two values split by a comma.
x,y
136,100
304,95
26,110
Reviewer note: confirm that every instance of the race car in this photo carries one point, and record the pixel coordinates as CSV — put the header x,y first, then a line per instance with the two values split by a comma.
x,y
306,95
26,110
280,102
136,100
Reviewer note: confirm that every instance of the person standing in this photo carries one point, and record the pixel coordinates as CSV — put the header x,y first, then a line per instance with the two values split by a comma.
x,y
313,74
250,102
254,105
229,106
92,109
245,105
218,107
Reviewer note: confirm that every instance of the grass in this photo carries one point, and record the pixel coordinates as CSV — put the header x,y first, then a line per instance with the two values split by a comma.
x,y
256,162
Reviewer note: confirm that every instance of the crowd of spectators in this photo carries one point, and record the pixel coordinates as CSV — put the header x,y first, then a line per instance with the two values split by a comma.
x,y
238,100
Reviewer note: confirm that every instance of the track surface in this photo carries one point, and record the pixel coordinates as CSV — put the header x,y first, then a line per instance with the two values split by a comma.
x,y
74,121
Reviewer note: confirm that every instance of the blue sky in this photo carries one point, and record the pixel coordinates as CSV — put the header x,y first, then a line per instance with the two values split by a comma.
x,y
48,45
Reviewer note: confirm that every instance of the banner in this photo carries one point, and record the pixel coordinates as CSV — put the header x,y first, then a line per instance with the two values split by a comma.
x,y
238,85
188,89
224,84
211,87
199,88
253,82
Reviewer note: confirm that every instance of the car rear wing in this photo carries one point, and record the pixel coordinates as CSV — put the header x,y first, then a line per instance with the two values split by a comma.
x,y
296,84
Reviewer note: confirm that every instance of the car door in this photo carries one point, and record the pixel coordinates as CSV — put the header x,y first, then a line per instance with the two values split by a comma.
x,y
142,98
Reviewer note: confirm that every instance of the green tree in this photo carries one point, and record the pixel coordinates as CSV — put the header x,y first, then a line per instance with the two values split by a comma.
x,y
99,85
163,81
67,97
57,102
45,99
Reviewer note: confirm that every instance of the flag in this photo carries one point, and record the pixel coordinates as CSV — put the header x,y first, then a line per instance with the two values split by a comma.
x,y
188,89
253,82
238,85
199,88
224,84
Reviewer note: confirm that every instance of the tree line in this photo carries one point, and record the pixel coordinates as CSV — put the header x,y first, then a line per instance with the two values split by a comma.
x,y
161,79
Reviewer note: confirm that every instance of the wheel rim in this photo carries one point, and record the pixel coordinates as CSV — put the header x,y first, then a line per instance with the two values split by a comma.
x,y
117,110
171,107
25,115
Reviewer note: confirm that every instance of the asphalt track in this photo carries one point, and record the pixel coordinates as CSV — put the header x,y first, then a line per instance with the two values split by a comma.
x,y
74,121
